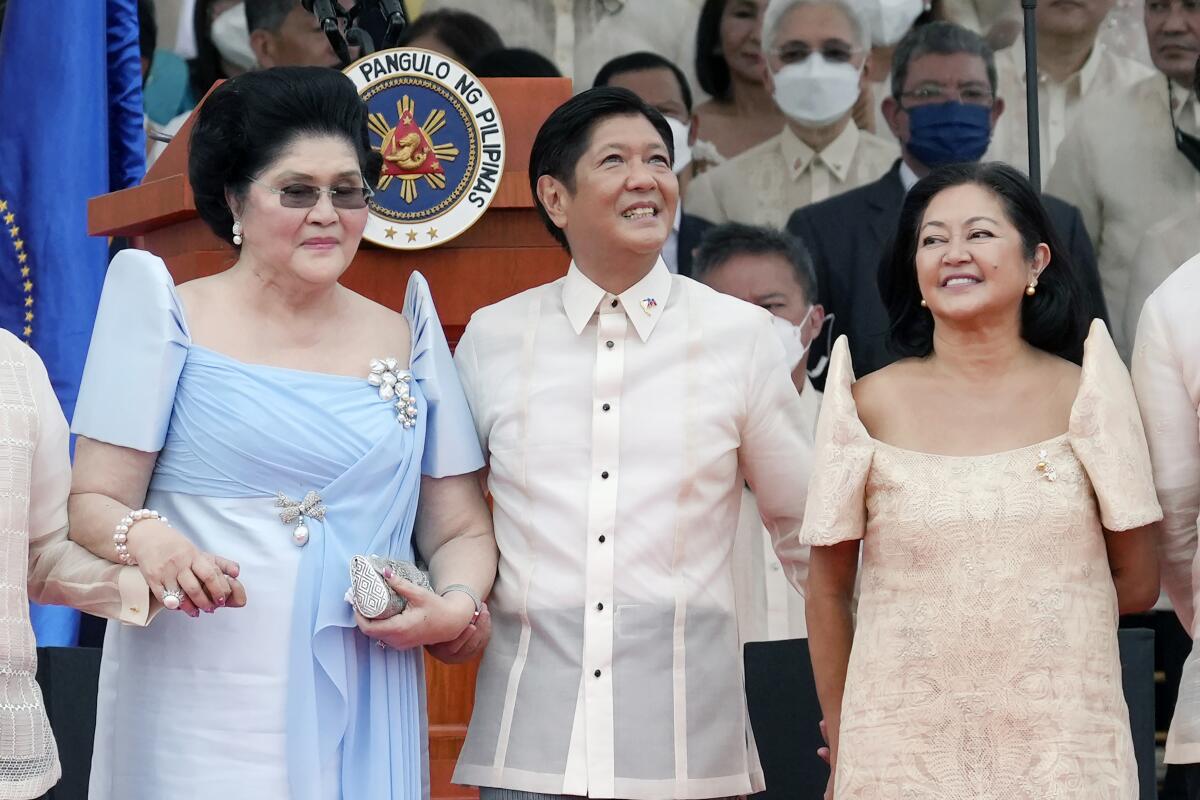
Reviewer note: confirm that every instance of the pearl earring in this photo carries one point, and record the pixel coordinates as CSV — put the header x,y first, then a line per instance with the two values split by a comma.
x,y
237,232
1031,289
923,303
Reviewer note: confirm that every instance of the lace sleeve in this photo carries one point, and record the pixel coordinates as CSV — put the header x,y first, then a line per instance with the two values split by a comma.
x,y
836,510
1106,434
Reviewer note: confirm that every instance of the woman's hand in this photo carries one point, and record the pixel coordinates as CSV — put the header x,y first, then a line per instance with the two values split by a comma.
x,y
427,619
826,755
468,644
170,561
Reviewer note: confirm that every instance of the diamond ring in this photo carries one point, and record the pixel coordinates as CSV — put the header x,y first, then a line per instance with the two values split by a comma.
x,y
172,598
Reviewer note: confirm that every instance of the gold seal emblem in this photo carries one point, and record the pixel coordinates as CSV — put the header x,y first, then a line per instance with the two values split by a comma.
x,y
408,151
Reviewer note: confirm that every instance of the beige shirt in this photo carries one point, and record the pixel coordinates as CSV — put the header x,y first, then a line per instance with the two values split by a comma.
x,y
620,431
765,184
581,36
1104,75
769,606
1166,375
1118,165
980,15
1165,246
40,564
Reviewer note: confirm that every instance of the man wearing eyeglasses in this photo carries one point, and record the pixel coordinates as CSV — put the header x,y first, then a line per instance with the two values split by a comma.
x,y
815,52
942,109
1133,161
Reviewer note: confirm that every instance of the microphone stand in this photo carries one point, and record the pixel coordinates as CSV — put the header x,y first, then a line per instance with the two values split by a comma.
x,y
397,20
329,14
1033,127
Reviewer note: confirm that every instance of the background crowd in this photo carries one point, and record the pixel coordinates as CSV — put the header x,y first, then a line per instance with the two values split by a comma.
x,y
768,137
800,129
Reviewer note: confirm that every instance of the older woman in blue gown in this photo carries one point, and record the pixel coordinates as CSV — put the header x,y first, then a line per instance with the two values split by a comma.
x,y
281,424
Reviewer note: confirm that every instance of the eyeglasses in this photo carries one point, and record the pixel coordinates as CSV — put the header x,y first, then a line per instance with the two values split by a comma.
x,y
833,52
935,95
301,195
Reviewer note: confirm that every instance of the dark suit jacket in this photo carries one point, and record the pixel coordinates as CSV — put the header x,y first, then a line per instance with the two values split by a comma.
x,y
847,236
691,229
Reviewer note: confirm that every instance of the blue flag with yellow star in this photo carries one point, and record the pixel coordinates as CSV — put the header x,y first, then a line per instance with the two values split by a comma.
x,y
70,129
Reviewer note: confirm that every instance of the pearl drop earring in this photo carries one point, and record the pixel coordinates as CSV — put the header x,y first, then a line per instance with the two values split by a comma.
x,y
237,232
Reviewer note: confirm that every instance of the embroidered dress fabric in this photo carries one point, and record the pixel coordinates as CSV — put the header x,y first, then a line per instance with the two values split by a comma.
x,y
984,661
283,698
33,489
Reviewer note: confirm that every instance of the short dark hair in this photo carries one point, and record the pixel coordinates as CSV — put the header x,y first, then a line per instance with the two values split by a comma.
x,y
267,15
712,71
941,38
205,69
567,133
469,36
640,62
514,62
722,242
249,120
147,29
1054,319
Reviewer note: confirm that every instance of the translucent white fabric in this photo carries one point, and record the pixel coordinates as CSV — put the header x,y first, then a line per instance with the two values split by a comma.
x,y
35,479
1166,374
620,431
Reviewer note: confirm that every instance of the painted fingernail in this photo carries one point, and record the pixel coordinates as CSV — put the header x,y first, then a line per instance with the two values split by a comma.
x,y
220,601
193,614
210,611
387,573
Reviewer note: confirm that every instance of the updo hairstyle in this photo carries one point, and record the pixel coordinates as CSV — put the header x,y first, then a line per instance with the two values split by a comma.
x,y
250,120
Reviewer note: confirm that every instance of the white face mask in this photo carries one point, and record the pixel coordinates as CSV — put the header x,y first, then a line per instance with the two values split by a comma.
x,y
683,151
891,19
815,92
232,40
794,347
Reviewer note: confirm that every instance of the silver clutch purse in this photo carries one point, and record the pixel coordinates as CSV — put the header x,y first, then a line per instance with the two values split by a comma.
x,y
369,591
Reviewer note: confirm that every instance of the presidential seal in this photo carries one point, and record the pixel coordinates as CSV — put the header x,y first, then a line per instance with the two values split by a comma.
x,y
442,145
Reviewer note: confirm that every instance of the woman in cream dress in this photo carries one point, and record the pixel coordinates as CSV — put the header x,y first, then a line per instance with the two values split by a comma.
x,y
1001,496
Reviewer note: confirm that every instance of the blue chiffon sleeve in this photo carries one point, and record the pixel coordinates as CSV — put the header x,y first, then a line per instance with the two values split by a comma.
x,y
451,445
139,344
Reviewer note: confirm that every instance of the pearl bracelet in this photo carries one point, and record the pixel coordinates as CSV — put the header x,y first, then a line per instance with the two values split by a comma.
x,y
121,532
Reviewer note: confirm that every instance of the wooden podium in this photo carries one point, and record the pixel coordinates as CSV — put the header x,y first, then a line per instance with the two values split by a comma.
x,y
506,252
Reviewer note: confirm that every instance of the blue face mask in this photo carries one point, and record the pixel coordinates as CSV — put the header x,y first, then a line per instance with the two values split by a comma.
x,y
949,133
